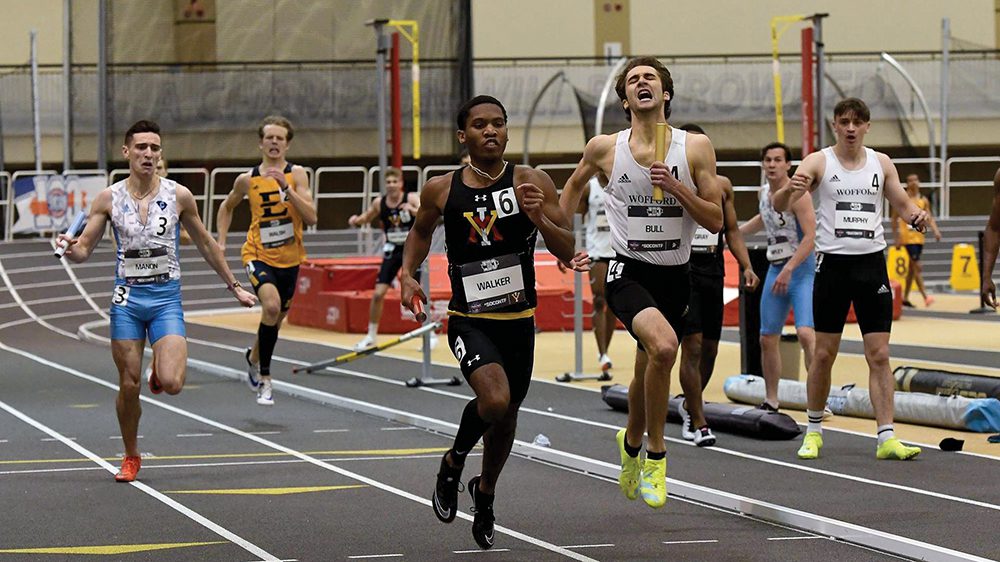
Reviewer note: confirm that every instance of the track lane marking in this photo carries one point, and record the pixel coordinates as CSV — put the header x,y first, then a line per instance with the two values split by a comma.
x,y
184,510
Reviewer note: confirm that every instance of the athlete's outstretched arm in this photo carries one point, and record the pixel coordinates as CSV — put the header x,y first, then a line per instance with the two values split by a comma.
x,y
991,245
596,155
734,238
300,195
224,217
418,241
896,194
705,206
804,179
370,214
78,250
187,209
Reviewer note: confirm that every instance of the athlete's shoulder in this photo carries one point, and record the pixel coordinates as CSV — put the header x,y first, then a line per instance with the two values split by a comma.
x,y
602,143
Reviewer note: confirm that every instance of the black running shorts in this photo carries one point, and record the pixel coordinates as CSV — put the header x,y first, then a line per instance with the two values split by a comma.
x,y
391,265
283,278
842,280
633,286
705,311
509,343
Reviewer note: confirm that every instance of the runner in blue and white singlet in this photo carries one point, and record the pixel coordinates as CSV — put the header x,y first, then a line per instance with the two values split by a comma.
x,y
147,296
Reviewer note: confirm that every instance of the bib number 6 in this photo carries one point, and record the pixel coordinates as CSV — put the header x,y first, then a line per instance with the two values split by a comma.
x,y
505,202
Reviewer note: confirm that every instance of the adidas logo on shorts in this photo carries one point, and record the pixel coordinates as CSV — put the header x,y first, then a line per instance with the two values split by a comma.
x,y
624,179
883,289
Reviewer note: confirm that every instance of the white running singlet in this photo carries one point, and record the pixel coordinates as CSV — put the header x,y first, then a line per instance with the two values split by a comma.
x,y
656,232
782,228
147,252
849,208
598,229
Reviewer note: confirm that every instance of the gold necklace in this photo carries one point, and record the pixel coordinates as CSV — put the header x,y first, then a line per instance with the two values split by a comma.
x,y
487,176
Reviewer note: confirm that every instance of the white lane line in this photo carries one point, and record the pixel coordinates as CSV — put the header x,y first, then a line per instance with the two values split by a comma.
x,y
397,428
119,436
218,464
76,283
308,458
367,556
330,430
706,541
479,551
27,310
591,423
190,513
605,545
798,538
195,434
54,439
3,440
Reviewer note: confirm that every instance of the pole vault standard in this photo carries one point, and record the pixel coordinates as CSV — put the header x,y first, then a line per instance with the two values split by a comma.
x,y
578,374
811,107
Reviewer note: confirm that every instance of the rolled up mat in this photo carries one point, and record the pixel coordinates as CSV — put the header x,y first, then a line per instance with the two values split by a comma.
x,y
955,412
945,383
728,418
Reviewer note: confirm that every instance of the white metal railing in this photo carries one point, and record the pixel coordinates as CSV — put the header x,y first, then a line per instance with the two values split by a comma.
x,y
6,200
210,184
948,184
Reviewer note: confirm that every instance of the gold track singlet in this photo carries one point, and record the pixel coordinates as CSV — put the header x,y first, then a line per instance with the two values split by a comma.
x,y
275,234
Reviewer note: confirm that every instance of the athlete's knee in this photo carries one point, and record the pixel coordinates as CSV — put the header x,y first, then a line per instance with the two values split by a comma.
x,y
878,355
600,304
769,342
129,387
493,407
662,351
271,308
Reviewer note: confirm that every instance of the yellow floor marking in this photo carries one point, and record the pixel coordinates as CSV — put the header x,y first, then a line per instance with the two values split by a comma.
x,y
366,452
106,549
84,406
268,491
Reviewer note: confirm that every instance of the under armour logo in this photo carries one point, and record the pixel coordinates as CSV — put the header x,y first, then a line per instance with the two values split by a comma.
x,y
834,178
883,289
624,179
479,198
471,361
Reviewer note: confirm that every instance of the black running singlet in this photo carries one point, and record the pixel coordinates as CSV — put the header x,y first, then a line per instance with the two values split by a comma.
x,y
396,223
491,249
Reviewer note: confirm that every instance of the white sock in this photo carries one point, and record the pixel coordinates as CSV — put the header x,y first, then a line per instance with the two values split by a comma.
x,y
885,433
815,421
372,330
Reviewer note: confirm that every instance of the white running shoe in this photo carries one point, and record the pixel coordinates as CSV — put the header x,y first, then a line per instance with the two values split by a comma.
x,y
605,362
264,395
687,430
364,344
253,372
703,437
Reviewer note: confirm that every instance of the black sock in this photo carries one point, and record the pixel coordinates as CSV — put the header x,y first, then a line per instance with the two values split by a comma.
x,y
470,429
650,455
632,451
267,336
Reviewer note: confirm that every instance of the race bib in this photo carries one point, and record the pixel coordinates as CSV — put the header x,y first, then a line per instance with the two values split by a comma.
x,y
493,284
854,220
276,233
704,242
654,228
396,235
779,249
146,265
388,248
601,222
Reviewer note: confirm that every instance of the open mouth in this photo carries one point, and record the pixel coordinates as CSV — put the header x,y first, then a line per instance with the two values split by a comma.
x,y
644,95
491,142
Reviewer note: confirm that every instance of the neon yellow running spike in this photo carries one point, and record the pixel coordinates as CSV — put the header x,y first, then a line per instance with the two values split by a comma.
x,y
811,445
654,483
628,480
893,449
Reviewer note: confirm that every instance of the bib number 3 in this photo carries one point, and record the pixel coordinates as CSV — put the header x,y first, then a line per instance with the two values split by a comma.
x,y
119,297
